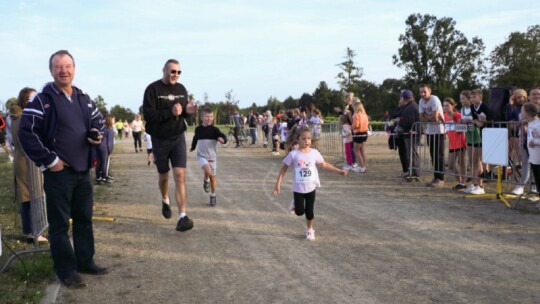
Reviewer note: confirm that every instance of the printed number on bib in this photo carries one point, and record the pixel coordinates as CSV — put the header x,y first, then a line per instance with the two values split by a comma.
x,y
304,175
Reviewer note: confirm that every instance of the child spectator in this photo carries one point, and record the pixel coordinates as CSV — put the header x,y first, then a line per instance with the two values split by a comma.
x,y
205,139
275,136
346,135
104,151
529,113
316,121
360,127
305,176
457,144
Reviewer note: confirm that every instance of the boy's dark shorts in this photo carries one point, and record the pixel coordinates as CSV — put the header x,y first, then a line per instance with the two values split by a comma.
x,y
172,149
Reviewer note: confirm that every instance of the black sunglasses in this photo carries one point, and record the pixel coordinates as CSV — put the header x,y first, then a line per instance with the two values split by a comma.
x,y
176,72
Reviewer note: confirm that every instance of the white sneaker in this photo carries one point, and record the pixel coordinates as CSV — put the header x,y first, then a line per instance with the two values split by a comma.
x,y
275,153
469,189
290,208
518,190
310,234
477,190
359,169
10,158
534,198
346,167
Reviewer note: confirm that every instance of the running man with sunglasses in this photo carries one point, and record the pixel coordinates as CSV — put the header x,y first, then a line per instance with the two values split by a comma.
x,y
165,106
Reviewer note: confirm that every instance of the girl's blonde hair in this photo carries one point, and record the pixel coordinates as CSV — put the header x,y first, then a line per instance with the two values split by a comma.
x,y
358,107
109,121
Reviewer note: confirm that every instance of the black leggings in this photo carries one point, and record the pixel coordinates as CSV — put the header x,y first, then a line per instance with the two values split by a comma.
x,y
137,139
300,208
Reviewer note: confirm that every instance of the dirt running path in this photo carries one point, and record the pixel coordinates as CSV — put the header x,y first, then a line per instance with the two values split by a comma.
x,y
377,241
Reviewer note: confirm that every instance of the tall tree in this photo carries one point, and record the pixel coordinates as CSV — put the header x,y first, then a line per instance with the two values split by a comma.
x,y
101,105
305,100
516,62
326,99
274,105
434,51
121,113
350,74
290,103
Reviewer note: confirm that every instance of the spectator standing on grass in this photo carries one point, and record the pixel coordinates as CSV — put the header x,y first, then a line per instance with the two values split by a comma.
x,y
529,112
165,107
303,161
431,112
474,141
58,129
457,145
20,168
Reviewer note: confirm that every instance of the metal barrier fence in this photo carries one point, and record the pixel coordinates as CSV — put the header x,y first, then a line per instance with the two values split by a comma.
x,y
457,152
38,210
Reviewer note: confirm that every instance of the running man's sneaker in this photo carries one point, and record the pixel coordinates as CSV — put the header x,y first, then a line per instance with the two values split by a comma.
x,y
477,190
290,208
184,224
310,234
206,186
166,209
213,201
518,190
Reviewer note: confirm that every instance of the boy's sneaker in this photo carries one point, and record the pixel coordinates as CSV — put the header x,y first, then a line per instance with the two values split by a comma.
x,y
166,209
459,187
477,190
99,180
310,234
290,208
206,186
184,224
213,201
518,190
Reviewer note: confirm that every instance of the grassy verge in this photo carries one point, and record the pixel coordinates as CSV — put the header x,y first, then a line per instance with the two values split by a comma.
x,y
19,283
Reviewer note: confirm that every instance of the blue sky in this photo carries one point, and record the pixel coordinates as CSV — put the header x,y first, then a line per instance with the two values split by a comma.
x,y
256,48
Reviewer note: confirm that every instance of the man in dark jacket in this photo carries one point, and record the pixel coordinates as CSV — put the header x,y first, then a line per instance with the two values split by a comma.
x,y
57,129
408,137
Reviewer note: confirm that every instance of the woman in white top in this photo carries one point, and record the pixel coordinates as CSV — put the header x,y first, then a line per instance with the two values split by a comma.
x,y
136,129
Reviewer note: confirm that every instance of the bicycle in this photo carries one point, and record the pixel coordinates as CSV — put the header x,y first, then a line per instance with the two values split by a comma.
x,y
243,136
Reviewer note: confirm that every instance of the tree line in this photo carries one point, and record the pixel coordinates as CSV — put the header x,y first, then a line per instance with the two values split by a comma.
x,y
432,51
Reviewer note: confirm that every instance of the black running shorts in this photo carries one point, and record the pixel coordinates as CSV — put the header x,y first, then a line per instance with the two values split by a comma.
x,y
171,150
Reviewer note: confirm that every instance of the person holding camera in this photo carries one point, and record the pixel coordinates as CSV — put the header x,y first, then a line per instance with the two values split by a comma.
x,y
58,128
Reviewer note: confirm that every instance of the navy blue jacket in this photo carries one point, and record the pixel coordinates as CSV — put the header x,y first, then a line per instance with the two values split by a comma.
x,y
38,125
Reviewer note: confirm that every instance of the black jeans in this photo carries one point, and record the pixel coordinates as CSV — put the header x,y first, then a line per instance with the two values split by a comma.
x,y
69,194
408,154
137,139
436,151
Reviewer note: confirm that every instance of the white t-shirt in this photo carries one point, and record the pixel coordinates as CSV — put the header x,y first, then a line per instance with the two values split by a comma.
x,y
346,133
137,125
431,107
305,175
148,141
283,131
533,134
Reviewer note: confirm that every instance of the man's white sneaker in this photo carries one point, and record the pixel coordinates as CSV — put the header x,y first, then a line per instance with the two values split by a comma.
x,y
310,234
477,190
518,190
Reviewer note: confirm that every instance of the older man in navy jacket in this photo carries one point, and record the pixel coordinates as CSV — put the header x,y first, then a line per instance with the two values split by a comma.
x,y
57,129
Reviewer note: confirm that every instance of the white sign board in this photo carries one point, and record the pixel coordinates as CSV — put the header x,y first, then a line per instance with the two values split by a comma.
x,y
495,146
